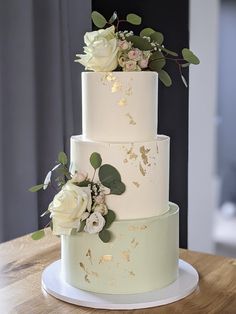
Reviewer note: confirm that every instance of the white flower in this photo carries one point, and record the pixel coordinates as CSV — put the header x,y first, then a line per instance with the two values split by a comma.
x,y
68,207
79,177
101,51
94,223
101,208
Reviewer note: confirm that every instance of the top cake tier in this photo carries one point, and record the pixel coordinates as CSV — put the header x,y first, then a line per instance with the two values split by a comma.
x,y
119,106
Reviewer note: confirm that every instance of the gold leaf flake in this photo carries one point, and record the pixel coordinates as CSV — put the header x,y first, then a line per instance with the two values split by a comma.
x,y
144,154
131,154
105,258
134,243
94,273
116,87
126,255
122,102
129,91
82,266
86,278
157,149
136,184
137,227
89,255
125,161
131,273
143,171
131,120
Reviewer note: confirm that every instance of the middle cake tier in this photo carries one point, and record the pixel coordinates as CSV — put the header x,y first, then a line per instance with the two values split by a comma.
x,y
144,169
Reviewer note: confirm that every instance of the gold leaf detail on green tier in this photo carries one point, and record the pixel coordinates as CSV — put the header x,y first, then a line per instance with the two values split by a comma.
x,y
137,227
136,184
143,171
144,154
105,258
86,278
134,243
126,255
131,119
89,255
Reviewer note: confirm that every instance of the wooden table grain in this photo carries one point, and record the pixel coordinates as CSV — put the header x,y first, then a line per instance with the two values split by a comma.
x,y
23,260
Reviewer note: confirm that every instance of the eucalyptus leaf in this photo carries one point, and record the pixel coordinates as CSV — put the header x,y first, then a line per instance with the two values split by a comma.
x,y
184,81
157,65
134,19
95,160
189,56
105,235
156,55
165,78
117,188
62,158
82,225
170,52
185,65
37,235
157,37
146,32
108,175
113,17
139,42
109,217
98,19
36,188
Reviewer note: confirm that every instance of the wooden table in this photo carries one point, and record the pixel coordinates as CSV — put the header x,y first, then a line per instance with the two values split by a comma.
x,y
23,260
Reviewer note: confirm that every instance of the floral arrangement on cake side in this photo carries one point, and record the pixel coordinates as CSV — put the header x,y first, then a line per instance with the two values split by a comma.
x,y
80,201
110,49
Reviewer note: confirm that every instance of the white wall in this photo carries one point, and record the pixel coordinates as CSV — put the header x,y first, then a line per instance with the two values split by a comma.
x,y
204,26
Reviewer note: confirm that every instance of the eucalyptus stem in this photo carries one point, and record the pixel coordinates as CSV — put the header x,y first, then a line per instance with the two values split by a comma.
x,y
94,174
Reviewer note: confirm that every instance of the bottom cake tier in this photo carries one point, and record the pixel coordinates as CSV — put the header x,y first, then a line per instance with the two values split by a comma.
x,y
143,256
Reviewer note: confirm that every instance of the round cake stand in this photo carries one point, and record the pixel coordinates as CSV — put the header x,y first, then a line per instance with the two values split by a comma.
x,y
185,284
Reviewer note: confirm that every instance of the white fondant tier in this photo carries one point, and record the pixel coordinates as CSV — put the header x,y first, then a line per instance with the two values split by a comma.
x,y
119,106
144,169
143,256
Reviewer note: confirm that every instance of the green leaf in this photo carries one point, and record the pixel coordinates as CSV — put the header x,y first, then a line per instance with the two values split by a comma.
x,y
113,17
165,78
36,188
109,217
82,225
62,158
157,65
139,42
117,188
157,37
84,183
146,32
95,160
98,19
189,56
156,55
134,19
108,174
170,52
105,235
38,234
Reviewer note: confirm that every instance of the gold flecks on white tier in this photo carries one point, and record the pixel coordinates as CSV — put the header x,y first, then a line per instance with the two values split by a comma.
x,y
137,227
131,273
122,102
105,258
142,170
134,243
86,278
89,255
126,255
136,184
131,119
144,154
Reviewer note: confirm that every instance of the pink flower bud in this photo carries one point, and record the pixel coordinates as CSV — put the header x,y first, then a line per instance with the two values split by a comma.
x,y
130,65
134,54
143,63
123,44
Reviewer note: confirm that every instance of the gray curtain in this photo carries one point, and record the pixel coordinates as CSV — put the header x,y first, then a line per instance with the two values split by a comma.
x,y
40,101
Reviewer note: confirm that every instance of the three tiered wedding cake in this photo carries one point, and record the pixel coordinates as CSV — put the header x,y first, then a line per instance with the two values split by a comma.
x,y
120,123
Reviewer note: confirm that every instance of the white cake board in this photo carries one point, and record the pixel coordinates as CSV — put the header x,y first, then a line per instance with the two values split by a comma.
x,y
185,284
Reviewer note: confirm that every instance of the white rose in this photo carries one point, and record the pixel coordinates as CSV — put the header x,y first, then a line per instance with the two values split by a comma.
x,y
101,208
101,52
68,207
94,223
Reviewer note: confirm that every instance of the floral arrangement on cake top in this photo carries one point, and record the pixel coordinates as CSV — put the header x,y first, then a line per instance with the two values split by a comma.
x,y
80,201
110,49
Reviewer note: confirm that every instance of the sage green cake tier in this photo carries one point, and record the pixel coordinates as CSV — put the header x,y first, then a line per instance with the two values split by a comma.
x,y
143,256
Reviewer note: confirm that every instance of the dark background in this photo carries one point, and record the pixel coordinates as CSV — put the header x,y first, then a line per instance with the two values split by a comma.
x,y
171,19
